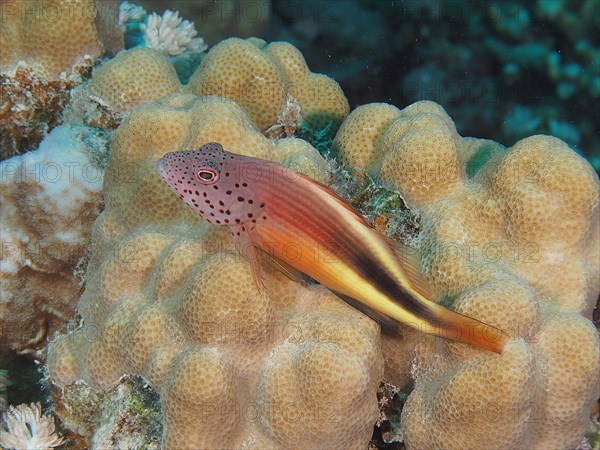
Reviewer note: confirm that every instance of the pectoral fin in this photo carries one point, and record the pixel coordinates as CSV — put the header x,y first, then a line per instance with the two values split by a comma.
x,y
248,250
283,267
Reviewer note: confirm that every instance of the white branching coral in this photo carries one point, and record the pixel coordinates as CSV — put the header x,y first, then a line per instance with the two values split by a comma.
x,y
129,12
27,428
171,34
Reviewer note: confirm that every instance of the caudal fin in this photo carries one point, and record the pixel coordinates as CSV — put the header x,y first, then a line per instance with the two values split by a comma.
x,y
457,327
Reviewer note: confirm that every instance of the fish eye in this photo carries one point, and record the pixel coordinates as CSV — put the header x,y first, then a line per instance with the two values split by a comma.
x,y
207,175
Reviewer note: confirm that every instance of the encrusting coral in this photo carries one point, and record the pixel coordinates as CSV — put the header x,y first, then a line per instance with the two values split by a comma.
x,y
168,298
49,199
511,237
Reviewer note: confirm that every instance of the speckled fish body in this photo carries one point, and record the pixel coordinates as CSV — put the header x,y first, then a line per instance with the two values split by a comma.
x,y
302,223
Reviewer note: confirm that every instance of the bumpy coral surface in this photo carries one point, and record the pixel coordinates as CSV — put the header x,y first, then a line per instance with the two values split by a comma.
x,y
52,35
134,77
511,237
168,298
49,199
259,77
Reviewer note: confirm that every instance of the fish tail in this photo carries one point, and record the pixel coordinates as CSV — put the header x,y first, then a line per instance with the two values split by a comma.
x,y
461,328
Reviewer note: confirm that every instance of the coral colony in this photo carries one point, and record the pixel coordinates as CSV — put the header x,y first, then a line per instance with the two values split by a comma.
x,y
146,323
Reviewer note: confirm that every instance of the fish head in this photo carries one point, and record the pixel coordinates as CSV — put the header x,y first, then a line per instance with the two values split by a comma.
x,y
212,182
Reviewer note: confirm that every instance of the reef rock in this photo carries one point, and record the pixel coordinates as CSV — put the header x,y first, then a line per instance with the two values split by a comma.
x,y
49,199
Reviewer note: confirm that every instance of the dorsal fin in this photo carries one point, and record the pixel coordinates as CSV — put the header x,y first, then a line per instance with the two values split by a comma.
x,y
331,193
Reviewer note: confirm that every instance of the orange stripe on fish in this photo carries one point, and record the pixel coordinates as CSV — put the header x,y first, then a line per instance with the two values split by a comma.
x,y
303,225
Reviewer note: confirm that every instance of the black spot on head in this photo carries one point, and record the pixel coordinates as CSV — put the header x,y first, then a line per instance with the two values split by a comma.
x,y
250,215
207,202
237,220
204,194
237,185
218,221
228,192
226,220
221,203
262,205
240,199
227,212
250,201
245,184
215,187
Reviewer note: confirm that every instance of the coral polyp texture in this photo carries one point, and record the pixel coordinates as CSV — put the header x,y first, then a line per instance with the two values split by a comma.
x,y
134,77
51,36
168,298
260,77
511,237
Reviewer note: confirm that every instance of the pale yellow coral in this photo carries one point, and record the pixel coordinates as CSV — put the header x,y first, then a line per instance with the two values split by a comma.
x,y
53,35
134,77
168,298
511,238
259,77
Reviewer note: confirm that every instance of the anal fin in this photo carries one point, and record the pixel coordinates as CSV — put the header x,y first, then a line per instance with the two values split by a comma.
x,y
387,323
248,250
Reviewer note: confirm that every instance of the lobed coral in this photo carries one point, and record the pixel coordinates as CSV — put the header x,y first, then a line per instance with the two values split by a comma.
x,y
168,298
493,247
50,36
260,77
132,78
49,200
